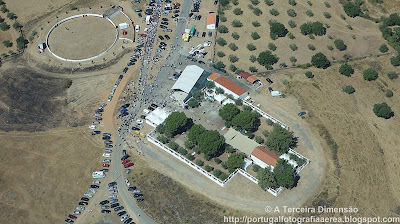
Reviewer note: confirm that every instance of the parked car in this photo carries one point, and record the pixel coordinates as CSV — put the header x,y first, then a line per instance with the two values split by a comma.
x,y
121,213
97,114
92,127
94,186
135,129
127,182
99,110
105,165
201,62
84,199
80,208
72,216
270,89
124,157
108,146
150,108
118,208
154,105
139,199
92,190
104,161
109,98
114,205
168,30
98,119
130,63
105,207
143,35
131,188
107,134
89,195
106,137
302,113
164,23
96,132
269,80
140,15
128,165
95,122
112,201
124,217
137,195
113,196
112,184
104,170
165,19
69,220
163,27
83,203
177,11
76,212
108,142
105,211
104,202
209,33
127,171
174,16
136,191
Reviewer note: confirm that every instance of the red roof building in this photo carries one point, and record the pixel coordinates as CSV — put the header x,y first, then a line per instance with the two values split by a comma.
x,y
263,157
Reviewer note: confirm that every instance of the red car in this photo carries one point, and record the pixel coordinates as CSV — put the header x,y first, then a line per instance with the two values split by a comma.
x,y
72,216
128,165
143,35
105,165
125,161
98,118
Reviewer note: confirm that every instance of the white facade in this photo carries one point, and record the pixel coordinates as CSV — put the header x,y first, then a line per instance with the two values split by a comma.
x,y
227,91
259,162
211,26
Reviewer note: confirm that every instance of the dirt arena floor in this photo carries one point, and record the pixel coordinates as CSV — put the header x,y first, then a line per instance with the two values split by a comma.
x,y
82,38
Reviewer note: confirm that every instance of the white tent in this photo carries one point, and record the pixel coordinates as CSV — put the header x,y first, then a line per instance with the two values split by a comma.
x,y
188,78
275,93
157,117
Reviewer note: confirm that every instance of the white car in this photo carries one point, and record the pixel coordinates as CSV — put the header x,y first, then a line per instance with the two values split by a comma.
x,y
95,122
107,155
109,98
92,190
113,196
89,195
92,127
76,213
123,218
112,91
112,188
96,182
106,161
128,171
127,182
113,191
136,191
139,121
80,208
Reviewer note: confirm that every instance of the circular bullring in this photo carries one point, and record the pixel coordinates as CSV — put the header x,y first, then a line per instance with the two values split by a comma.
x,y
81,37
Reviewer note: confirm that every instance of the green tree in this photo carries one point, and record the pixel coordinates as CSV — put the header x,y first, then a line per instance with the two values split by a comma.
x,y
235,35
339,44
235,160
198,95
394,60
392,75
189,144
228,112
255,35
175,123
3,9
221,41
11,15
224,2
7,43
17,25
269,2
316,28
232,67
217,160
280,139
233,58
210,142
257,11
348,89
223,176
219,90
219,65
293,47
274,12
194,133
255,2
383,110
173,145
311,47
229,149
327,15
309,74
370,74
237,23
220,54
309,13
193,103
217,173
266,178
223,29
293,60
237,11
292,2
292,24
253,58
199,162
291,13
383,48
346,69
210,84
352,9
4,26
284,174
233,46
319,60
208,168
251,47
256,23
162,139
272,46
267,58
21,42
277,29
389,93
259,139
246,120
253,69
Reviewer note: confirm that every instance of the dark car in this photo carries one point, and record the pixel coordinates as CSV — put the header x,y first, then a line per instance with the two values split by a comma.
x,y
128,221
215,2
135,128
99,110
94,186
137,195
125,70
165,19
209,33
154,105
174,16
301,113
118,208
108,146
104,202
125,105
130,63
121,213
161,37
269,80
190,14
106,134
150,108
124,157
83,203
198,17
167,37
105,211
163,27
112,184
84,199
177,11
131,188
104,170
270,89
120,77
114,205
124,152
163,43
203,34
143,116
69,220
96,132
106,137
139,199
140,15
164,23
201,62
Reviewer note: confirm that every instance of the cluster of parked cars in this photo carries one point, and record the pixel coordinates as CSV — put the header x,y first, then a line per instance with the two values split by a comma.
x,y
97,118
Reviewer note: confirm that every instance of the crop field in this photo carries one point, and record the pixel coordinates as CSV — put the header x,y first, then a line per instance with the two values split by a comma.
x,y
361,37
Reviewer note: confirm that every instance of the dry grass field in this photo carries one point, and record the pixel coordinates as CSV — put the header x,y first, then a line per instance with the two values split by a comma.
x,y
364,38
367,152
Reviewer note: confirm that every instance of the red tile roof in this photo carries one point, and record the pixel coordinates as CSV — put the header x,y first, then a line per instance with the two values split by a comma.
x,y
213,76
245,75
252,79
265,155
230,85
211,18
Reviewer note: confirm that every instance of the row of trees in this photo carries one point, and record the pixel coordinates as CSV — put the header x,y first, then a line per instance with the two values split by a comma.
x,y
247,119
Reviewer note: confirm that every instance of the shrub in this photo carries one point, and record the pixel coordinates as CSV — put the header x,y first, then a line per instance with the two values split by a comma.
x,y
11,15
235,35
3,9
208,168
274,12
222,18
348,89
309,74
309,13
272,46
392,75
346,69
4,26
223,176
291,13
383,48
162,139
253,69
232,67
311,47
269,122
190,157
199,162
224,2
217,160
327,15
236,23
237,11
352,9
7,43
223,29
72,7
292,24
251,47
265,133
21,42
217,173
235,2
269,2
293,47
389,93
259,139
219,65
319,60
233,58
316,28
233,46
173,145
256,168
330,47
291,36
327,4
17,25
255,2
293,60
182,151
309,3
255,36
221,41
223,164
343,17
253,58
383,110
370,74
339,44
292,2
257,11
395,60
220,54
256,24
